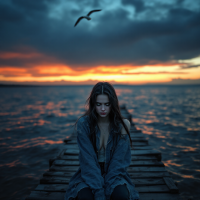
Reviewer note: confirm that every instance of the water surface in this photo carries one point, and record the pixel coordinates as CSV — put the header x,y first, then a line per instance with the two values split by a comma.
x,y
35,120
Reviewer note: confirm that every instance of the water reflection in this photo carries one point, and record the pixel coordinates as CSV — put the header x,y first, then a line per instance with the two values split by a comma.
x,y
12,164
41,122
168,163
184,176
123,91
29,143
140,97
185,148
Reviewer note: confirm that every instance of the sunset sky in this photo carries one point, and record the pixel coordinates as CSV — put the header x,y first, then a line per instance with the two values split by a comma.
x,y
128,42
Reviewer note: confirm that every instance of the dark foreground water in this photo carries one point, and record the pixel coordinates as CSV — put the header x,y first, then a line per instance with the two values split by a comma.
x,y
35,120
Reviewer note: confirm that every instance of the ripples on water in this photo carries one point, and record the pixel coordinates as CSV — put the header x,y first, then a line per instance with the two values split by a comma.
x,y
35,120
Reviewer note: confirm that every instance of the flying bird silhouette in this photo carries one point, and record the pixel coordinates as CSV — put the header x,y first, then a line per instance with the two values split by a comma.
x,y
87,16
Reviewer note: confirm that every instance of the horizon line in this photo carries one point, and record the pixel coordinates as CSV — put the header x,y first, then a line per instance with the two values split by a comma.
x,y
147,84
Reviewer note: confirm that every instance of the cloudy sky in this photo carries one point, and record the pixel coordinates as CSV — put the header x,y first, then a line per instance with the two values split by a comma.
x,y
128,41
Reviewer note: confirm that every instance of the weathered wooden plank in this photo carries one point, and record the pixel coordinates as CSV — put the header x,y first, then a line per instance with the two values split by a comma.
x,y
147,147
137,182
139,143
64,168
56,173
142,148
152,188
133,163
146,174
135,143
134,137
54,180
74,143
136,134
145,152
147,169
130,169
142,157
133,152
171,185
51,160
51,188
41,195
159,196
148,181
132,174
71,141
71,152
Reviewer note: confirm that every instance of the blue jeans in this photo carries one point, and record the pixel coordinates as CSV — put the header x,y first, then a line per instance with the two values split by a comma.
x,y
119,193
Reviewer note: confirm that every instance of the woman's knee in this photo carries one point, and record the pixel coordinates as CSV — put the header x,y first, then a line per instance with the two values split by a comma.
x,y
120,193
85,194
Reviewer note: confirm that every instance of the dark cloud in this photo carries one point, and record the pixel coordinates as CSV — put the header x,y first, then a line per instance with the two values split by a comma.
x,y
9,14
31,5
162,72
189,66
110,38
138,4
179,1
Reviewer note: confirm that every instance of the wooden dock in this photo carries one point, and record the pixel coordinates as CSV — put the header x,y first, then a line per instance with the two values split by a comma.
x,y
147,171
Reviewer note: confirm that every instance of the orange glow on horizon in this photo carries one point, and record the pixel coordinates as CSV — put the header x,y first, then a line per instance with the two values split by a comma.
x,y
55,72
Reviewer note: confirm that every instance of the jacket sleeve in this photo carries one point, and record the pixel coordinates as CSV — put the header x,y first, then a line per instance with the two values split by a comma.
x,y
119,162
90,171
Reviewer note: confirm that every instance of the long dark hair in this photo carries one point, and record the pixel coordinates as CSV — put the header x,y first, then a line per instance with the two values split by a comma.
x,y
115,116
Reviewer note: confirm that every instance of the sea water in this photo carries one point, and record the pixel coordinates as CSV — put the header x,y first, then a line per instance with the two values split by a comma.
x,y
34,121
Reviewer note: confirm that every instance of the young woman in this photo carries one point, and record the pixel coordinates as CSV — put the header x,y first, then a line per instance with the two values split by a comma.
x,y
104,150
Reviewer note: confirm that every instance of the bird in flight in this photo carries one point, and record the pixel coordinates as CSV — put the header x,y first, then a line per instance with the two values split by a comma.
x,y
87,17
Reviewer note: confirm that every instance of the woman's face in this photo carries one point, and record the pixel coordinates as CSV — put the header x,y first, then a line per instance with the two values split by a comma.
x,y
102,105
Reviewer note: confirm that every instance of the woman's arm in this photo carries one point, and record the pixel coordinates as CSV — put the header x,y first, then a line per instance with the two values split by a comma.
x,y
121,158
90,172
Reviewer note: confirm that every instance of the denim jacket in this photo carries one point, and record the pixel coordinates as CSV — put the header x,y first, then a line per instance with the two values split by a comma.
x,y
89,173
